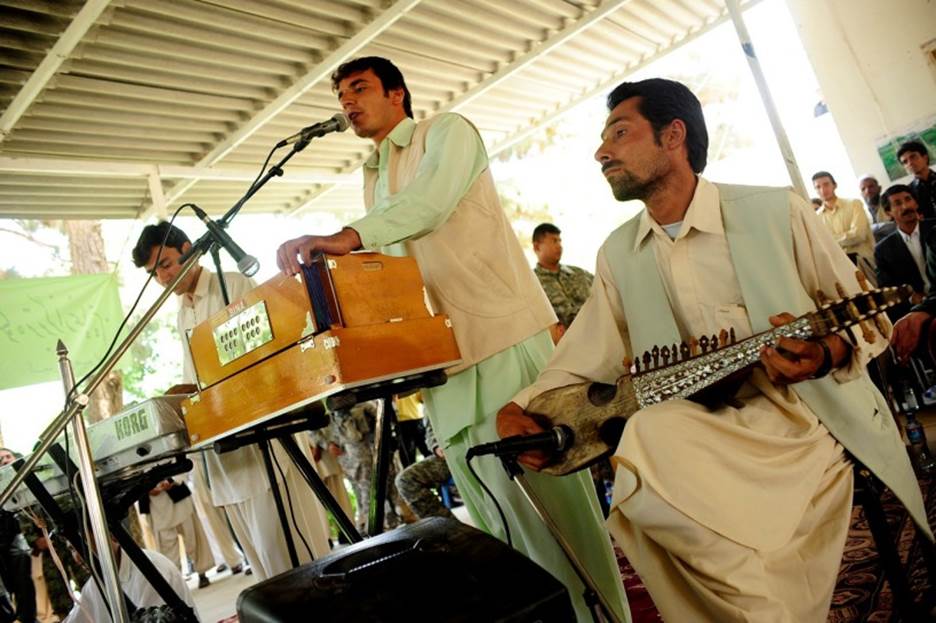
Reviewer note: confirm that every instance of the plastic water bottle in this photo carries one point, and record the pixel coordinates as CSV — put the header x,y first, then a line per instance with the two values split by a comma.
x,y
919,451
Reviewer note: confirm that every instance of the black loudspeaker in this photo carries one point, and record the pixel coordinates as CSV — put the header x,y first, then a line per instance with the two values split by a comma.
x,y
437,570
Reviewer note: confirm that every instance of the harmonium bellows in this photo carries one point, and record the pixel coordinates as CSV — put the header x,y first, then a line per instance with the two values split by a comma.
x,y
343,322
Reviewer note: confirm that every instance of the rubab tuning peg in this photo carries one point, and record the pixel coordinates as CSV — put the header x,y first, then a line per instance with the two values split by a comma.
x,y
684,351
723,338
879,321
675,352
628,364
731,336
704,343
693,346
665,354
647,358
656,356
713,341
869,336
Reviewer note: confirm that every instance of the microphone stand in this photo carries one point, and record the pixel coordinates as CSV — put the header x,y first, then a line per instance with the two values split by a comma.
x,y
275,171
600,609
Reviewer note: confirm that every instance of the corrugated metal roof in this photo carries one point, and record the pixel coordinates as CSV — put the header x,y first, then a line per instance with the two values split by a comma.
x,y
108,104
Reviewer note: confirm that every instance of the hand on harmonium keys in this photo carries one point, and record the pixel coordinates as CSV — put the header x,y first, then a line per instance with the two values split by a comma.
x,y
304,248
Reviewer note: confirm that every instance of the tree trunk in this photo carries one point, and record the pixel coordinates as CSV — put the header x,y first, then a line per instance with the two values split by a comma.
x,y
86,247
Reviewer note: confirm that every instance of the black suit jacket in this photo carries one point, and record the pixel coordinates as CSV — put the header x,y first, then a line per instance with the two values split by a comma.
x,y
895,265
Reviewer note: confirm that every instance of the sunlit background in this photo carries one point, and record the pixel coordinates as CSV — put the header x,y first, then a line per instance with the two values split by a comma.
x,y
551,176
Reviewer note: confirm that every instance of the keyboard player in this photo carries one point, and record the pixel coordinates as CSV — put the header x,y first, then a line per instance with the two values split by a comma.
x,y
238,479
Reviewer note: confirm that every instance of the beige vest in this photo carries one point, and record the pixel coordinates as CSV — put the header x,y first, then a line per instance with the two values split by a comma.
x,y
472,265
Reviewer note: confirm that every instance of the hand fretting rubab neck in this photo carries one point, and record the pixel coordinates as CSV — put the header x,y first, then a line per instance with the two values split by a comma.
x,y
597,412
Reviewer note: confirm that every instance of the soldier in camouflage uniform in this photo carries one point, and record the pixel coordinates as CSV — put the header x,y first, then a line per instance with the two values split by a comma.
x,y
417,483
350,437
58,591
567,287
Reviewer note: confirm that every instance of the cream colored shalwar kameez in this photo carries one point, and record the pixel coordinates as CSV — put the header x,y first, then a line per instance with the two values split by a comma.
x,y
739,514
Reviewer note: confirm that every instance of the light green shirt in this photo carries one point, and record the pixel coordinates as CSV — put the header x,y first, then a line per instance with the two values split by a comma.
x,y
453,160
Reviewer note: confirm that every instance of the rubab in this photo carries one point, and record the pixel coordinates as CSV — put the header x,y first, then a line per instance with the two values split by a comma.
x,y
598,412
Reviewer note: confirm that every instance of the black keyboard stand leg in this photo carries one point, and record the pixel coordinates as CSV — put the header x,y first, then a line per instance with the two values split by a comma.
x,y
381,467
345,525
266,451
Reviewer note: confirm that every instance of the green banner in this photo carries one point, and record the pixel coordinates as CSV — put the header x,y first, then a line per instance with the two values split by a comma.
x,y
83,311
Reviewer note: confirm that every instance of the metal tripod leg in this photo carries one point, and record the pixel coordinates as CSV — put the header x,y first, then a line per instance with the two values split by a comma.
x,y
267,451
593,596
381,467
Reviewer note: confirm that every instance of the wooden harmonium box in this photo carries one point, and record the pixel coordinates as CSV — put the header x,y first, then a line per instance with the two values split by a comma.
x,y
344,322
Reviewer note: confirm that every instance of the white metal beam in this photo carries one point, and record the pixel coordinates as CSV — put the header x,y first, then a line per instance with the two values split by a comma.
x,y
59,52
103,168
314,196
560,37
157,197
603,86
321,71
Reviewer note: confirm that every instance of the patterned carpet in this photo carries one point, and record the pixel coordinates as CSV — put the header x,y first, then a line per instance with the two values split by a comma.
x,y
861,593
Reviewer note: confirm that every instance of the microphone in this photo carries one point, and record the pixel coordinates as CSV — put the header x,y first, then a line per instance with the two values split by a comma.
x,y
556,439
338,123
246,264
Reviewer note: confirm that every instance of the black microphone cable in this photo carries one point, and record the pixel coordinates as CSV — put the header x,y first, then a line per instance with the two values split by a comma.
x,y
497,505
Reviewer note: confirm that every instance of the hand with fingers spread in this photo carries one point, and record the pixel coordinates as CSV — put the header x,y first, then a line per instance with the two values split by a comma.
x,y
301,250
906,335
792,361
513,420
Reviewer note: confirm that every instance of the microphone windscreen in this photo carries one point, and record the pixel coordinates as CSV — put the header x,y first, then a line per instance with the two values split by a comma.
x,y
343,121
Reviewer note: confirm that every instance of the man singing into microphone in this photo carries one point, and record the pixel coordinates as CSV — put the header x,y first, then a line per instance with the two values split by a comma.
x,y
238,479
428,185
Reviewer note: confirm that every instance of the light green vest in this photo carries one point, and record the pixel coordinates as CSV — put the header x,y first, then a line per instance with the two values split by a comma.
x,y
760,241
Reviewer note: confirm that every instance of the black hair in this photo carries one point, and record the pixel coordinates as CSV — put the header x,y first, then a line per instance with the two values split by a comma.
x,y
893,190
152,236
544,228
916,146
661,102
390,77
819,174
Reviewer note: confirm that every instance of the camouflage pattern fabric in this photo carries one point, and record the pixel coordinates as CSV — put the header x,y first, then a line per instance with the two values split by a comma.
x,y
566,290
417,484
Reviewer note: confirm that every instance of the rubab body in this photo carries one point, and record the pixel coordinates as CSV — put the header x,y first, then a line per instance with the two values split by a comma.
x,y
598,412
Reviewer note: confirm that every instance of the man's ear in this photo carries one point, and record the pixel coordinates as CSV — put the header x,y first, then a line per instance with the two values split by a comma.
x,y
674,135
186,246
397,96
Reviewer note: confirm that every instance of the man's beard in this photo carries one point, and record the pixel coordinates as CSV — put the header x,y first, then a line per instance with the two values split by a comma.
x,y
626,187
873,201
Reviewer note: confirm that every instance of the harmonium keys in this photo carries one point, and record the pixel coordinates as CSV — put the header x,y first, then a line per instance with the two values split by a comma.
x,y
344,322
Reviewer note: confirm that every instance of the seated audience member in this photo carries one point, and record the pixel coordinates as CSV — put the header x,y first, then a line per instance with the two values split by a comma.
x,y
566,286
92,607
417,483
900,257
871,194
915,159
882,225
845,218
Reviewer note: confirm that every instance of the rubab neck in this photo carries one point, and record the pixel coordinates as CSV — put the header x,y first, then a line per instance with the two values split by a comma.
x,y
686,378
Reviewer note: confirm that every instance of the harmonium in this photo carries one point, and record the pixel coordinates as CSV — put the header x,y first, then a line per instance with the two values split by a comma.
x,y
123,445
342,323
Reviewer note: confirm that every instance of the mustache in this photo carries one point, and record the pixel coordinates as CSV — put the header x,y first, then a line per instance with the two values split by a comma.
x,y
609,164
